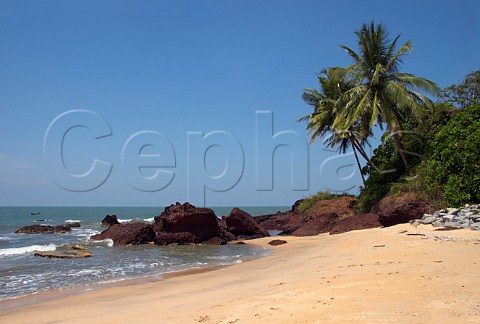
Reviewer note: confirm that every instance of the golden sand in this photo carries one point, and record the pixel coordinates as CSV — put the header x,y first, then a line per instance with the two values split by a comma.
x,y
388,275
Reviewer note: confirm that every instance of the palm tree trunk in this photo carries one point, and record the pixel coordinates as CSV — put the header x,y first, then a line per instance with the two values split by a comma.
x,y
358,164
401,149
363,154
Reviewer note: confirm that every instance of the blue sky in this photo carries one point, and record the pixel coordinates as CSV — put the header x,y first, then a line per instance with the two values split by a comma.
x,y
196,82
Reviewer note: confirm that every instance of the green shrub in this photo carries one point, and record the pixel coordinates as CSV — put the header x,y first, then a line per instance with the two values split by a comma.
x,y
418,138
454,166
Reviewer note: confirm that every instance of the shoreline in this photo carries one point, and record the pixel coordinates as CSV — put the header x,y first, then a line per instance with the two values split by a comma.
x,y
399,273
54,294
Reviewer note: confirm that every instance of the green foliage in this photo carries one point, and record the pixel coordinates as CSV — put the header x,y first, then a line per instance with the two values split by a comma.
x,y
464,94
381,91
310,201
455,162
424,150
418,138
378,184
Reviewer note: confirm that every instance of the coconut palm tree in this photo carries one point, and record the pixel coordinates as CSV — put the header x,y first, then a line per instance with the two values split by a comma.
x,y
320,122
381,94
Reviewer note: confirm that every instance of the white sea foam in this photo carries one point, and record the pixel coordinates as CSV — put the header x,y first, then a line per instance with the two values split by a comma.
x,y
73,221
108,241
85,232
129,220
27,249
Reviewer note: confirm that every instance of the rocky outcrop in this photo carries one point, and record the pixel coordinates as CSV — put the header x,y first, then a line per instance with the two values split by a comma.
x,y
44,229
403,213
178,224
276,221
215,241
466,217
296,221
355,222
73,224
110,220
319,219
126,234
73,254
242,224
226,235
342,206
401,208
200,222
178,238
322,223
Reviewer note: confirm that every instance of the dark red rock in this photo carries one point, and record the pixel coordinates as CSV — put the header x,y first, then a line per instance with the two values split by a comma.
x,y
274,221
179,238
226,235
355,222
277,242
110,220
295,222
215,241
44,229
321,224
186,218
125,234
240,223
403,213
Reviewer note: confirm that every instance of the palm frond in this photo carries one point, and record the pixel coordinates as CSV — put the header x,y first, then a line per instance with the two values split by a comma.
x,y
422,84
395,61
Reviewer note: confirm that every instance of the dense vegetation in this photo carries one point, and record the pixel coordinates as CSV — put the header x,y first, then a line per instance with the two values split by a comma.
x,y
394,176
431,149
453,170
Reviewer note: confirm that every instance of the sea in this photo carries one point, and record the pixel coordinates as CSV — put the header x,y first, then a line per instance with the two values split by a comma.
x,y
22,273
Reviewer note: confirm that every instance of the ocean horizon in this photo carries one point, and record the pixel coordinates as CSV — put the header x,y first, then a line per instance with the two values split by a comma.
x,y
22,273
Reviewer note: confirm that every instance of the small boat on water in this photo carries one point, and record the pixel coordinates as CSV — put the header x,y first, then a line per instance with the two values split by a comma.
x,y
35,214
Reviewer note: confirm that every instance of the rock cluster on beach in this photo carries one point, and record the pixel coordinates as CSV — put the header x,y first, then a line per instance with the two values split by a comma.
x,y
332,216
339,215
466,217
185,224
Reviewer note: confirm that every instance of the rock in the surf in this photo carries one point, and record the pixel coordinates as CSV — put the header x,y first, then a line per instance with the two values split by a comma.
x,y
44,229
110,220
126,234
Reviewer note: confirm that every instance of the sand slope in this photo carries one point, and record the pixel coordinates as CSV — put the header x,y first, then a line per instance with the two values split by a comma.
x,y
376,275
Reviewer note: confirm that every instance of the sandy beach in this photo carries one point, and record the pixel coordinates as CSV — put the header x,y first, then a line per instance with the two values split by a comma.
x,y
395,274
